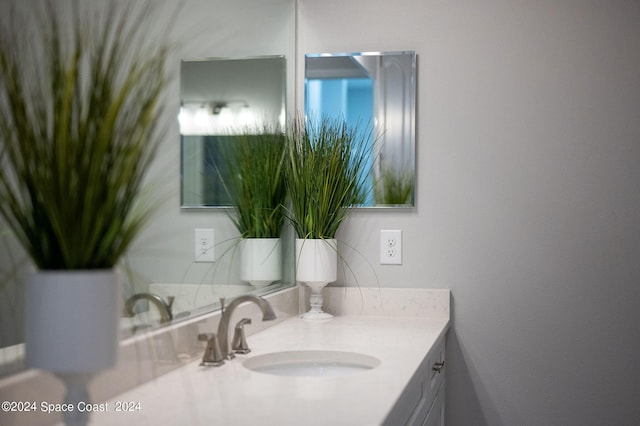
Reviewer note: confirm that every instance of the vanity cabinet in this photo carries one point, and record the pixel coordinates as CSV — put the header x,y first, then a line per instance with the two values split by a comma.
x,y
422,401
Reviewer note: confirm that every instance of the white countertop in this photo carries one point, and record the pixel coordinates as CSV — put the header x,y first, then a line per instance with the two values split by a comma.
x,y
234,395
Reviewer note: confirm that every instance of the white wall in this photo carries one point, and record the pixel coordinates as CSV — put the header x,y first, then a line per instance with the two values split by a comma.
x,y
528,202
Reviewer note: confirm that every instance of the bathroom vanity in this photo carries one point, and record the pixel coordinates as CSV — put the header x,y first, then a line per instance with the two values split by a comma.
x,y
391,340
405,386
400,390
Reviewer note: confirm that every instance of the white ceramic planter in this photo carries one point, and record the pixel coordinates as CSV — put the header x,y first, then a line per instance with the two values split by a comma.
x,y
72,328
316,266
72,320
260,261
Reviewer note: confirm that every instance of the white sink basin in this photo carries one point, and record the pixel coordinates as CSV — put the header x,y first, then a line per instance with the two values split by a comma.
x,y
313,363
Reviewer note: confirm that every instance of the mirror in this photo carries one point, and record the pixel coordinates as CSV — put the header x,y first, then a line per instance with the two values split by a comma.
x,y
219,98
163,259
377,89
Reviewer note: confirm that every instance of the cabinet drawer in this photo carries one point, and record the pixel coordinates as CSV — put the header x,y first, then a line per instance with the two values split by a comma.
x,y
418,397
435,416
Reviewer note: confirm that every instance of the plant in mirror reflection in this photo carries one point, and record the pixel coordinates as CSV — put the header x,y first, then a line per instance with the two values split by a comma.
x,y
256,183
395,188
80,98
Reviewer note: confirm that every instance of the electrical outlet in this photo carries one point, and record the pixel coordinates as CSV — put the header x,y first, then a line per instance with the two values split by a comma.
x,y
391,247
204,244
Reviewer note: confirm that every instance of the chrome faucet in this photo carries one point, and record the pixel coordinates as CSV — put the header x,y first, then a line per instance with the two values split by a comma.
x,y
223,326
163,307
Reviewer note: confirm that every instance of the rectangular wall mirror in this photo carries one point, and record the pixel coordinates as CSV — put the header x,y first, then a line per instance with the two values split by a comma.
x,y
376,89
220,98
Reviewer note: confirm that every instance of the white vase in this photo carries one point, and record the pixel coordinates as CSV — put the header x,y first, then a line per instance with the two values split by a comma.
x,y
260,261
72,328
316,266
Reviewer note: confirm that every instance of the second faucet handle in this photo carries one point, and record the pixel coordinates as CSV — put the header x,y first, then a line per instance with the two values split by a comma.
x,y
212,354
239,344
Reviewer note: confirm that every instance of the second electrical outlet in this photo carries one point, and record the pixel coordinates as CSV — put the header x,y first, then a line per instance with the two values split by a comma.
x,y
391,247
204,244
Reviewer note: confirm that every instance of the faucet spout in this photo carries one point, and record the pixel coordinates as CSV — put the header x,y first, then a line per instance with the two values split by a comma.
x,y
223,326
163,307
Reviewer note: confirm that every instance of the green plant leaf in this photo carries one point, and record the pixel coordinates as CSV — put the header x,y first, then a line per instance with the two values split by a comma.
x,y
327,166
79,106
256,181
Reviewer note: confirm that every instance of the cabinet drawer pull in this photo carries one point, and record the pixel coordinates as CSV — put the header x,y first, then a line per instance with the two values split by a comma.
x,y
438,367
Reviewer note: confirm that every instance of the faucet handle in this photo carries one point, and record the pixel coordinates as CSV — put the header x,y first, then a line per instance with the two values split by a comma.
x,y
239,344
169,305
212,355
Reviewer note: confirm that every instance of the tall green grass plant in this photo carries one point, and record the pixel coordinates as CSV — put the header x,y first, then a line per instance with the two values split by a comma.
x,y
80,99
327,168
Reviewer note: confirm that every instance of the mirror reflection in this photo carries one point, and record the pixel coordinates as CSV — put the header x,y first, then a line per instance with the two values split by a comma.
x,y
371,89
221,98
162,262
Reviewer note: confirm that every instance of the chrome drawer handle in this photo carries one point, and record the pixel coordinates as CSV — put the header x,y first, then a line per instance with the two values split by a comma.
x,y
438,367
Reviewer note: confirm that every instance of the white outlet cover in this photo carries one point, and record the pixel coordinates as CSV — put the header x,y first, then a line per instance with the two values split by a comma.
x,y
391,247
204,243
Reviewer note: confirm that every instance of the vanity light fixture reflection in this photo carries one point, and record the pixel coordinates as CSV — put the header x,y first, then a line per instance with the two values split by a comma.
x,y
204,118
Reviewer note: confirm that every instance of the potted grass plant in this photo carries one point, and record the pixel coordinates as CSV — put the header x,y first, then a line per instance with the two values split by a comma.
x,y
327,167
257,191
80,98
